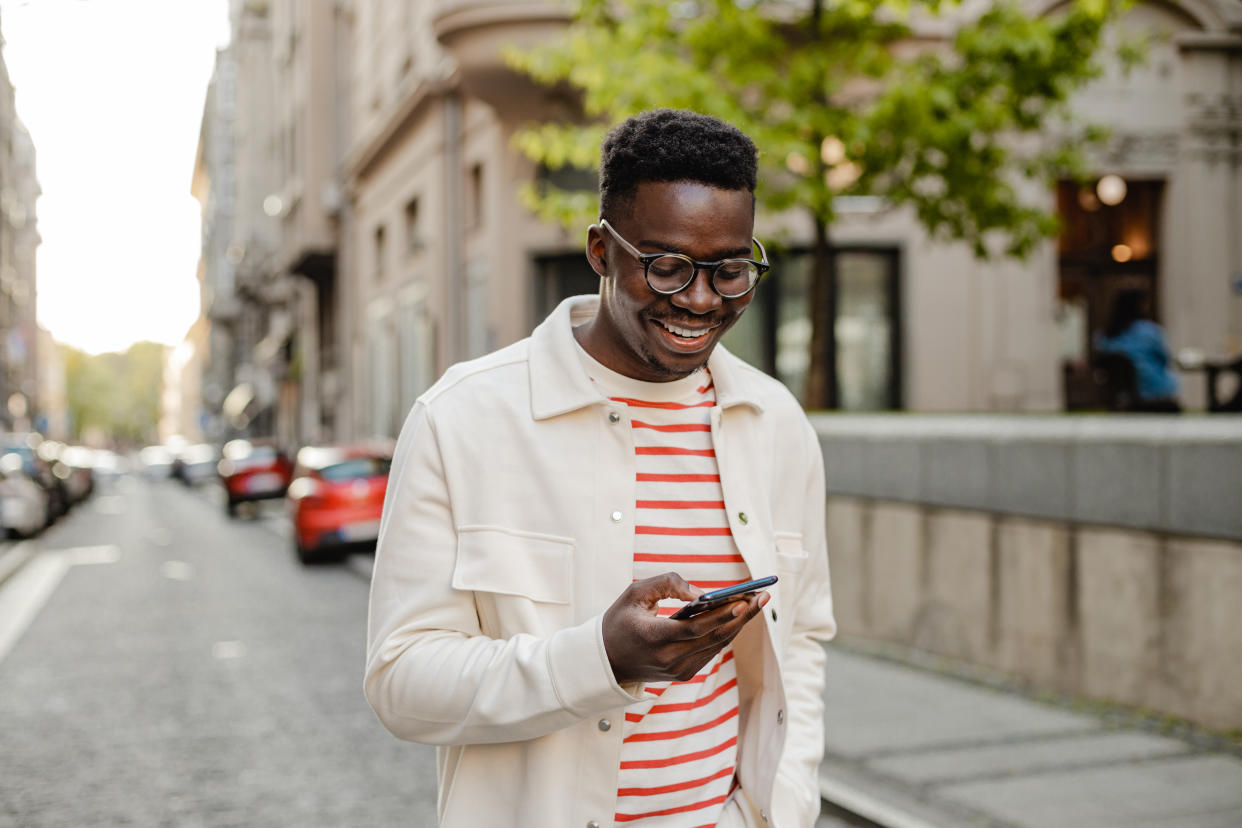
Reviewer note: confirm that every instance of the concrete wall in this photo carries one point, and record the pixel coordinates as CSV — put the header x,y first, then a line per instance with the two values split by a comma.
x,y
1095,556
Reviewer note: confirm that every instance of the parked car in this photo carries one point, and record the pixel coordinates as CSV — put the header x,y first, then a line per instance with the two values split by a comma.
x,y
49,478
79,462
253,470
156,462
196,464
336,498
23,502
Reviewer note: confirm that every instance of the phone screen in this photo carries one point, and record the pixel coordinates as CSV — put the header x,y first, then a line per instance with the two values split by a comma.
x,y
711,600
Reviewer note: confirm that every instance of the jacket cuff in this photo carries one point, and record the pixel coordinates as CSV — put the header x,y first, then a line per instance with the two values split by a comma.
x,y
581,674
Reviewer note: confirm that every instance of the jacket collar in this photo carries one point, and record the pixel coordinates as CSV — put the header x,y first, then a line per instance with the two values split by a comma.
x,y
559,383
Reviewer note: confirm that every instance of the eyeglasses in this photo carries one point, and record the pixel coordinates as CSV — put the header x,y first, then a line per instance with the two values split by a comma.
x,y
669,273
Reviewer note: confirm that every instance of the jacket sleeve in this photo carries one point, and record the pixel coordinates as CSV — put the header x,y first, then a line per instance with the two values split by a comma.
x,y
431,674
796,798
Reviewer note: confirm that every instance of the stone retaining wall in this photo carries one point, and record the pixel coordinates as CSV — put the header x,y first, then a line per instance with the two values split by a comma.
x,y
1095,556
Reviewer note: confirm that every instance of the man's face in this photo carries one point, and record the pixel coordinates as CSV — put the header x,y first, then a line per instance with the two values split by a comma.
x,y
631,333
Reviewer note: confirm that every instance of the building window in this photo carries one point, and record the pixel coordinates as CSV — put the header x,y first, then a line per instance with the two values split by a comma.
x,y
413,233
474,197
380,253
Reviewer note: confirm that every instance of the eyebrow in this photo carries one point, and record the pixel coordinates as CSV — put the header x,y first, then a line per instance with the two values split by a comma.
x,y
735,253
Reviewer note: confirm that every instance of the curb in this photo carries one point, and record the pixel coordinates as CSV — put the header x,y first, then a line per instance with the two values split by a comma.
x,y
13,557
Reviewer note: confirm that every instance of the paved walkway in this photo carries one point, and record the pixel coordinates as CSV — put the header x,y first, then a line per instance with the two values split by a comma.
x,y
909,747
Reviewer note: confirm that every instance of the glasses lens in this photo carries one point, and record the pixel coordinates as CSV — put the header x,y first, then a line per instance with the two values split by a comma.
x,y
670,273
735,277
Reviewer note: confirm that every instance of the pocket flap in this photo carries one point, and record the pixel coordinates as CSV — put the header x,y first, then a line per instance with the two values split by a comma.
x,y
790,555
512,562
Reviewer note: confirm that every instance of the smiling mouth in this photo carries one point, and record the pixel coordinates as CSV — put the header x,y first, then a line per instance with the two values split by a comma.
x,y
685,333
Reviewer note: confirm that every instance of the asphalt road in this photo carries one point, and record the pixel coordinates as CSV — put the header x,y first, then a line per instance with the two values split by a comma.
x,y
184,670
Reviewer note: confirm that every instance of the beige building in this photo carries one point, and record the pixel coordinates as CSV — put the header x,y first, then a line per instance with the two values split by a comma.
x,y
380,133
444,264
19,237
182,415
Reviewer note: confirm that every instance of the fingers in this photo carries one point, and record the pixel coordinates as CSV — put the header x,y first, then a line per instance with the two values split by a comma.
x,y
723,622
651,591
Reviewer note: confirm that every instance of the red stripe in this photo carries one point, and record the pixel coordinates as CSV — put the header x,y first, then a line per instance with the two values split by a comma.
x,y
675,557
675,427
703,389
668,406
637,764
679,706
674,451
679,504
679,786
693,531
690,705
661,735
647,477
679,810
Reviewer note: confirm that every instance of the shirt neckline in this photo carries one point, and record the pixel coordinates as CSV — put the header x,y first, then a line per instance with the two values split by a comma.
x,y
614,384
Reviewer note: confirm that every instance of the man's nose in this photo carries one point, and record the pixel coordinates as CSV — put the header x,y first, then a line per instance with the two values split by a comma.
x,y
699,296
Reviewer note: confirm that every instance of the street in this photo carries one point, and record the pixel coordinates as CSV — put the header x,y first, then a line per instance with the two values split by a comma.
x,y
185,670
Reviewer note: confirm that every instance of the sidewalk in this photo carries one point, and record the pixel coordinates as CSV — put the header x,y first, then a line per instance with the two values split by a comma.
x,y
909,747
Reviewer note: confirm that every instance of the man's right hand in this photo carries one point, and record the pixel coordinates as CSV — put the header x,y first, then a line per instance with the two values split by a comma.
x,y
642,646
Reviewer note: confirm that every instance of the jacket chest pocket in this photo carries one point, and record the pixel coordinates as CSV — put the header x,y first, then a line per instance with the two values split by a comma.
x,y
791,559
522,581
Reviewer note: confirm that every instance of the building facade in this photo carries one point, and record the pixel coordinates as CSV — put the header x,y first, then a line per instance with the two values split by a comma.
x,y
19,238
400,246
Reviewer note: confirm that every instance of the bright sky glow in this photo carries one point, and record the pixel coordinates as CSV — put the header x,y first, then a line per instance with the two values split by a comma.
x,y
112,93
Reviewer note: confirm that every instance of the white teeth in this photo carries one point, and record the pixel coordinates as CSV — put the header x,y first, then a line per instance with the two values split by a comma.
x,y
685,332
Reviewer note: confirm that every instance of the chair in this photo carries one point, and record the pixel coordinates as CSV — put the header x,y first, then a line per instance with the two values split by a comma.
x,y
1114,374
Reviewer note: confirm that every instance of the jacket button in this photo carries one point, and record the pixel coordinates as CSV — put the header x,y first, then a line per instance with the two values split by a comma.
x,y
593,824
780,717
616,515
614,417
605,725
763,815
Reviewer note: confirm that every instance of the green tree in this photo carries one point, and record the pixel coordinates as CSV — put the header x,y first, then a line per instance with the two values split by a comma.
x,y
841,100
117,393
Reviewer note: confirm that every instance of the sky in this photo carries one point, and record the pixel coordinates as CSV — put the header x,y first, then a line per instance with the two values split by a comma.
x,y
112,94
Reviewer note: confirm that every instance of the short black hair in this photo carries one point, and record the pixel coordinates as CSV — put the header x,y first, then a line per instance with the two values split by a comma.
x,y
673,145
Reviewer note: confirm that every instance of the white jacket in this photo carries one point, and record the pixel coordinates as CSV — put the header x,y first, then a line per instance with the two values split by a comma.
x,y
501,548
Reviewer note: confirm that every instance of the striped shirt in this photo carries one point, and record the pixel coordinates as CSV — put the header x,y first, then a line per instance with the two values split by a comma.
x,y
680,749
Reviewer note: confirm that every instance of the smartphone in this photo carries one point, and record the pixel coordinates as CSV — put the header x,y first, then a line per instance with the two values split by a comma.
x,y
711,600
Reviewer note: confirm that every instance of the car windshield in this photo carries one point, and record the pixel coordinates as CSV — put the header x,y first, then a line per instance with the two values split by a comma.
x,y
356,467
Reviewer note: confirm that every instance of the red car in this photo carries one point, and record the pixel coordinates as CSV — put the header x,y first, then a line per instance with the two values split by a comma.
x,y
335,500
253,471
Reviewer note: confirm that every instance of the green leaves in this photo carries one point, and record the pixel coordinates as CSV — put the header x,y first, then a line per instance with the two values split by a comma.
x,y
842,100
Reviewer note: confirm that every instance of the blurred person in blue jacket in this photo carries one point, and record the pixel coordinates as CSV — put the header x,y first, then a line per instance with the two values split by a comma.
x,y
1130,333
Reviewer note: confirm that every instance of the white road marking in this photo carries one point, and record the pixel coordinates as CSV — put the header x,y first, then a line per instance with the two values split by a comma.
x,y
78,555
228,649
12,558
176,570
23,595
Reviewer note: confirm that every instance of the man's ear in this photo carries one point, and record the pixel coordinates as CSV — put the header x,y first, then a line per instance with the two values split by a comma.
x,y
595,250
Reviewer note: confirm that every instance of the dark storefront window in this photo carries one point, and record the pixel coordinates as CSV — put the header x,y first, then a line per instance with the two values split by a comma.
x,y
775,332
1104,248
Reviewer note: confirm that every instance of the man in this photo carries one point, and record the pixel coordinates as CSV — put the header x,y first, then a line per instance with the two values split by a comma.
x,y
550,505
